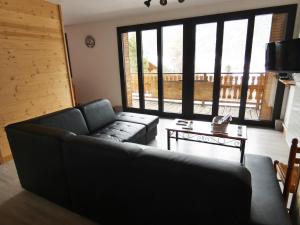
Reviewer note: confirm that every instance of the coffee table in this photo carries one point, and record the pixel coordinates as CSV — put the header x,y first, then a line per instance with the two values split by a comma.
x,y
202,132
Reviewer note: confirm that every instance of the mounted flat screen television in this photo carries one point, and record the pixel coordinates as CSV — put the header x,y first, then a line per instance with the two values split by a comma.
x,y
283,56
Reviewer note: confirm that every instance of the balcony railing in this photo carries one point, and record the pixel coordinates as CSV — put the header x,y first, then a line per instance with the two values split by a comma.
x,y
230,90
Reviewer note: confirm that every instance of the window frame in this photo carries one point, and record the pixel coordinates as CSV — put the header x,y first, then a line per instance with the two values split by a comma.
x,y
189,34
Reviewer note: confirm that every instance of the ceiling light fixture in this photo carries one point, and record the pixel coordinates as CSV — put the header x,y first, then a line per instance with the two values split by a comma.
x,y
162,2
147,3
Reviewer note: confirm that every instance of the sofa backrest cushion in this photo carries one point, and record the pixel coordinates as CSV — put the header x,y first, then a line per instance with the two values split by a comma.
x,y
37,153
151,186
98,114
69,119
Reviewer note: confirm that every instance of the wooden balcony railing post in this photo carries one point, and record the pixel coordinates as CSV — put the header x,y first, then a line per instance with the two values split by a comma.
x,y
251,88
230,86
205,77
224,79
235,89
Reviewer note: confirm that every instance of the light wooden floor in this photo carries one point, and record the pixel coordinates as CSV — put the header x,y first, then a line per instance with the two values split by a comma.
x,y
18,206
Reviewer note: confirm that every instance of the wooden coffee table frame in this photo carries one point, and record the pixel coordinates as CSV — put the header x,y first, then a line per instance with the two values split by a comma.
x,y
178,133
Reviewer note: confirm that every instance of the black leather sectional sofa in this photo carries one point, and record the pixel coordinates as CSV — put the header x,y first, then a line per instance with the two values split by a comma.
x,y
93,161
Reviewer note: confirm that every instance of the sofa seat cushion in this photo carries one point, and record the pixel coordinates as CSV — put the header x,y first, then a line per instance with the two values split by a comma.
x,y
122,131
267,207
69,119
98,114
148,120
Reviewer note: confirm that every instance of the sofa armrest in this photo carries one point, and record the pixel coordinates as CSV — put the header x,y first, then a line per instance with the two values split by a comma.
x,y
267,206
37,155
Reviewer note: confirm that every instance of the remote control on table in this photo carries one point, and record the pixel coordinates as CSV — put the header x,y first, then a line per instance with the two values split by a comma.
x,y
240,130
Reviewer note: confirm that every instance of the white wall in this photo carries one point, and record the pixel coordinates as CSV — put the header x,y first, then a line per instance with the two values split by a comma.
x,y
291,118
96,71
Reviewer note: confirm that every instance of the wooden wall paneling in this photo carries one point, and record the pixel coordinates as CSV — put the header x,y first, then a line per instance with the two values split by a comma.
x,y
1,122
34,68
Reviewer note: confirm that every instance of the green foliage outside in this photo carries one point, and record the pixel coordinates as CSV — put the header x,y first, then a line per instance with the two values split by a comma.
x,y
133,56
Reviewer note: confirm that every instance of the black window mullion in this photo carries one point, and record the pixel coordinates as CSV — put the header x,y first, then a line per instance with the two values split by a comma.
x,y
159,69
218,62
245,79
189,33
290,23
140,69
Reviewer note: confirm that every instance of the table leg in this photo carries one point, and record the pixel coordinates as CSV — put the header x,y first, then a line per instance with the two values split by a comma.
x,y
243,143
176,135
168,139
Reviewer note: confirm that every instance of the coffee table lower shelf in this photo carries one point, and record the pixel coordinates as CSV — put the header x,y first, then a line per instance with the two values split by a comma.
x,y
208,139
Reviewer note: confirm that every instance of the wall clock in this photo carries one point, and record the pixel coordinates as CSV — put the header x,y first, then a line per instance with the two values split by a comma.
x,y
90,41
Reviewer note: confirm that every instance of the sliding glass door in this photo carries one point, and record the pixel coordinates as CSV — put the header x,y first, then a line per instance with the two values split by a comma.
x,y
205,55
232,69
131,69
262,85
172,41
150,62
205,66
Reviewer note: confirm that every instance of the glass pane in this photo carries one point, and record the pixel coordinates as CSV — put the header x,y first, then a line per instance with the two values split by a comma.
x,y
261,36
204,67
172,68
149,45
262,86
131,69
234,44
